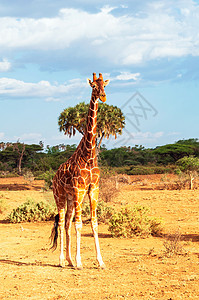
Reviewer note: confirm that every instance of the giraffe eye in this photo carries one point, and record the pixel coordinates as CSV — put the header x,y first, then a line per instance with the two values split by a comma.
x,y
94,85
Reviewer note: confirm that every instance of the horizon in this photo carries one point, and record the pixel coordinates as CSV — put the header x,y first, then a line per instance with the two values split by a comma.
x,y
47,146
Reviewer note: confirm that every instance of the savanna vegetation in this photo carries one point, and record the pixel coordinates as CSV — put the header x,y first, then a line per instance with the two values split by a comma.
x,y
182,157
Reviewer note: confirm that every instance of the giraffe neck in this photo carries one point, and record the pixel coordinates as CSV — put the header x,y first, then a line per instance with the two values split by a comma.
x,y
89,139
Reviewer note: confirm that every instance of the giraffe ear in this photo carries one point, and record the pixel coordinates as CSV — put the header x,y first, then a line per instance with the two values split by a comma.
x,y
106,82
89,82
92,84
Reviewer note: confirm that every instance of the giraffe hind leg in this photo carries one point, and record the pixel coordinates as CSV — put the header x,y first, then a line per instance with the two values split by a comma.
x,y
61,227
78,199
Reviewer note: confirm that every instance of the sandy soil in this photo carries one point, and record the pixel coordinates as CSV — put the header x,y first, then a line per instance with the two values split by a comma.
x,y
136,268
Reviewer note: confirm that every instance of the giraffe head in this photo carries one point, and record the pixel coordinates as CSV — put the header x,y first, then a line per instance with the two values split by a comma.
x,y
98,85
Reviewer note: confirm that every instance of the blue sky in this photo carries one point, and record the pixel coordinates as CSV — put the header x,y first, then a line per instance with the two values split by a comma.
x,y
148,49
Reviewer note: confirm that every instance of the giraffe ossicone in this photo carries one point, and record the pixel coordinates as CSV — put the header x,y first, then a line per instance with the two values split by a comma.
x,y
75,178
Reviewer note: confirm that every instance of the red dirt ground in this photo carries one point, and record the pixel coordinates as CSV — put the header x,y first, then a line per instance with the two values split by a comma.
x,y
136,268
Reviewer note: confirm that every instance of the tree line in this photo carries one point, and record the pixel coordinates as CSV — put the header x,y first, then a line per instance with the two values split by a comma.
x,y
19,157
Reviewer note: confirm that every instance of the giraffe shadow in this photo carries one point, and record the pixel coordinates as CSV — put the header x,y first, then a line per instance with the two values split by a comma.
x,y
100,235
38,264
4,221
190,237
18,187
183,237
20,263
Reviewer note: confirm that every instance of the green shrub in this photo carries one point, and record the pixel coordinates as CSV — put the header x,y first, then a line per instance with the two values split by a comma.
x,y
7,174
28,175
106,172
148,170
5,167
104,212
47,177
122,170
31,211
134,222
86,209
144,169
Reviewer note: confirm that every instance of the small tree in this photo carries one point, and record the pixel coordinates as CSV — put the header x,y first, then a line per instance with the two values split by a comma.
x,y
18,148
190,166
110,121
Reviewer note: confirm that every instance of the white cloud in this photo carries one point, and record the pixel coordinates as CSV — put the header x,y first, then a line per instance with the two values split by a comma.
x,y
136,138
58,32
128,76
173,133
2,134
5,65
29,138
52,99
42,89
164,29
148,135
107,9
62,138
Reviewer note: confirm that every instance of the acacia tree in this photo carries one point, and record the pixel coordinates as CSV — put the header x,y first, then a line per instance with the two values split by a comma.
x,y
20,148
190,166
172,152
110,121
17,152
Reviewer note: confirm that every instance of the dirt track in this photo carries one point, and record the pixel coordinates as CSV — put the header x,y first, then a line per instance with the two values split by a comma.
x,y
136,268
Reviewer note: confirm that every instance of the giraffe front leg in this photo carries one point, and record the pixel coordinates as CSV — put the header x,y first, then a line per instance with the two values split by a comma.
x,y
78,226
61,227
69,218
93,196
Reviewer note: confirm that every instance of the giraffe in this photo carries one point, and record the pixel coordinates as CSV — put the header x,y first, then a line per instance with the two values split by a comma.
x,y
76,177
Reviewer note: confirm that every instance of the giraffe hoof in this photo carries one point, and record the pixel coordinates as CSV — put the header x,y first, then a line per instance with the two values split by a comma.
x,y
62,264
71,266
70,263
79,268
103,266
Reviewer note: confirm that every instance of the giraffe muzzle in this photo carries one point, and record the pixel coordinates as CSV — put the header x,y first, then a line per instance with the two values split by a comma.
x,y
103,97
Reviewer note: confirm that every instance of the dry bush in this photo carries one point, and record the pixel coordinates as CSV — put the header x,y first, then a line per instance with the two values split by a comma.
x,y
166,181
2,206
108,189
123,178
182,181
173,244
175,184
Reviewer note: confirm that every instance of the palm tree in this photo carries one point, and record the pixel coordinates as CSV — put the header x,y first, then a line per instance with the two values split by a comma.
x,y
110,121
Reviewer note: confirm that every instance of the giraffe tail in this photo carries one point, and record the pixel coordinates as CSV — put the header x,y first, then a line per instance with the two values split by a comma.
x,y
54,234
